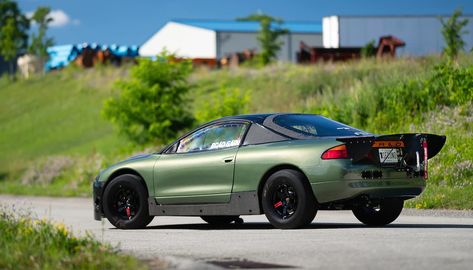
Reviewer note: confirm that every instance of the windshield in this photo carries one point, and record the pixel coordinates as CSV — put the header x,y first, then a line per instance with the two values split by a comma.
x,y
315,125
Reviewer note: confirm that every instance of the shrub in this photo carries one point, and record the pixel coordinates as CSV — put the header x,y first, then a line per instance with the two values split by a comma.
x,y
151,107
45,172
379,106
450,85
225,102
369,50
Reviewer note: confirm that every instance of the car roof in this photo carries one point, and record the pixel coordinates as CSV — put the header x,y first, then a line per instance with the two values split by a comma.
x,y
256,118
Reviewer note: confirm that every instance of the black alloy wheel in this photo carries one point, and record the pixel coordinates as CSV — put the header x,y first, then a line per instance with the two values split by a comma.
x,y
125,202
287,200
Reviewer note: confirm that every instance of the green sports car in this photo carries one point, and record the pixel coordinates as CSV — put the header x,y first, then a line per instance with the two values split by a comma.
x,y
286,166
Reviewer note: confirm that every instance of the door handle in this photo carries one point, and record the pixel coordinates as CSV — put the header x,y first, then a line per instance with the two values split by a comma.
x,y
228,159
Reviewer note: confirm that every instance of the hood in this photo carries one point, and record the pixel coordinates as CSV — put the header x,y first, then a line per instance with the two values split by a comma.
x,y
135,157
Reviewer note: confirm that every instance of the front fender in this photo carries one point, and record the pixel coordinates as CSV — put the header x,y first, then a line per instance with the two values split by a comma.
x,y
142,167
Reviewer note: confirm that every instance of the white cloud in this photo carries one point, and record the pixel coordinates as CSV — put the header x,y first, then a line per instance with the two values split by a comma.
x,y
60,18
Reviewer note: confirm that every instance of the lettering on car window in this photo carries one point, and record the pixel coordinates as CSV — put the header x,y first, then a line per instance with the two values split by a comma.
x,y
224,144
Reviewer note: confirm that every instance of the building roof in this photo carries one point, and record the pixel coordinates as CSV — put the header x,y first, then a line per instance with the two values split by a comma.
x,y
245,26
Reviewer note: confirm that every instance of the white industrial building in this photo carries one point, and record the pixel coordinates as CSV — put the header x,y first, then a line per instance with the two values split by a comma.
x,y
213,39
206,39
422,34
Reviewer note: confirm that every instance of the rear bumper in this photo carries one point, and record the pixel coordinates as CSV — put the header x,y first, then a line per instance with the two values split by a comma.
x,y
340,179
340,190
97,199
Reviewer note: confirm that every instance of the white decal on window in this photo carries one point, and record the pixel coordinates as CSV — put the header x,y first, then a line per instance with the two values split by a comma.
x,y
224,144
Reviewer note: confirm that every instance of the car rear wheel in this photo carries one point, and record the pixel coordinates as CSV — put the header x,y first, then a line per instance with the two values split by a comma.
x,y
221,220
125,202
288,201
387,211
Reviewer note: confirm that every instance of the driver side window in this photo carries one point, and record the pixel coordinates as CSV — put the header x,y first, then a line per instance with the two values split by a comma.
x,y
212,138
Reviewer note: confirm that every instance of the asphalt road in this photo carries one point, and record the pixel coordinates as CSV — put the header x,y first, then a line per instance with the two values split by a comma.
x,y
335,240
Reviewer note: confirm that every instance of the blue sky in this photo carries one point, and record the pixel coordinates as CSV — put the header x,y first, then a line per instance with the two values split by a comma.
x,y
132,22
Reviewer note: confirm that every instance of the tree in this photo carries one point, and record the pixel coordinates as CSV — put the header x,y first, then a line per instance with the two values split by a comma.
x,y
40,43
452,31
225,102
8,48
151,106
270,30
13,31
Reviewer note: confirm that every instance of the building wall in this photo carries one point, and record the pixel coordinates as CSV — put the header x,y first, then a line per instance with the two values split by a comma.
x,y
331,29
422,34
231,42
308,39
183,40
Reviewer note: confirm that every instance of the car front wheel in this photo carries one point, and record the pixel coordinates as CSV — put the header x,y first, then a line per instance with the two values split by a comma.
x,y
125,202
288,201
387,211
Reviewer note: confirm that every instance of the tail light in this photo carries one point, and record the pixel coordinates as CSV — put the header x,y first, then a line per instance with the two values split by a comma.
x,y
337,152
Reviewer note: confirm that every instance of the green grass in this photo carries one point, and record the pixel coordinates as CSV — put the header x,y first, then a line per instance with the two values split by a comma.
x,y
288,87
56,119
55,114
443,197
450,183
40,244
60,187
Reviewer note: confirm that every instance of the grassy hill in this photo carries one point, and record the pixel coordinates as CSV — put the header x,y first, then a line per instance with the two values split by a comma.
x,y
53,139
55,114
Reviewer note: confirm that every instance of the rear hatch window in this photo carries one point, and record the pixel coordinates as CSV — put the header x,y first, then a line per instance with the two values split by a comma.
x,y
309,125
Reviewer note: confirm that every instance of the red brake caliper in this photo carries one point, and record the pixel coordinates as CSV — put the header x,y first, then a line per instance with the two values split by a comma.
x,y
128,212
276,205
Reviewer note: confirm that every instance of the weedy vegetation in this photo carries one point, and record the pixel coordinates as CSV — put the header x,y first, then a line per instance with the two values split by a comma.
x,y
40,244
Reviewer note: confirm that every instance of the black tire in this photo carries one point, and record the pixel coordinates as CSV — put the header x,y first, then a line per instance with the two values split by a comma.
x,y
288,201
125,202
386,212
219,220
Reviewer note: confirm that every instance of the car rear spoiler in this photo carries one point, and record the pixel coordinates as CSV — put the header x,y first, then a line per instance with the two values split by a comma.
x,y
412,143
